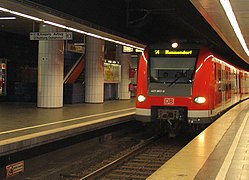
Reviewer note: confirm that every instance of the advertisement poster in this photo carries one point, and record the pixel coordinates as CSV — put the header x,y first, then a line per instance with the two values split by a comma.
x,y
2,77
112,73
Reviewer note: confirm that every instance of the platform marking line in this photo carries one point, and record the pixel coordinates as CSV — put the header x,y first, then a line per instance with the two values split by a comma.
x,y
228,160
59,129
63,121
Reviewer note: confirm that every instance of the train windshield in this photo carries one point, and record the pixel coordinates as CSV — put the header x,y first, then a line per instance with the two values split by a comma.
x,y
172,69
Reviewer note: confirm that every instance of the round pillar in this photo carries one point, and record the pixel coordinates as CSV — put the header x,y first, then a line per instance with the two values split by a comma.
x,y
94,71
50,71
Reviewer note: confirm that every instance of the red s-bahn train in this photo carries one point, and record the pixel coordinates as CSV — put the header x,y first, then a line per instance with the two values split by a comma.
x,y
188,84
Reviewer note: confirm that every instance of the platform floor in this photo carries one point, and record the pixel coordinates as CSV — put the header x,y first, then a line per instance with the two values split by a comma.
x,y
23,125
220,152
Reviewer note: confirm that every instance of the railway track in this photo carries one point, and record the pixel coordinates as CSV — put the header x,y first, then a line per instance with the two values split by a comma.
x,y
139,162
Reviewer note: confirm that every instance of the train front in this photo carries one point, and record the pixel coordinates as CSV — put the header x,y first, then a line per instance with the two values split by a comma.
x,y
165,83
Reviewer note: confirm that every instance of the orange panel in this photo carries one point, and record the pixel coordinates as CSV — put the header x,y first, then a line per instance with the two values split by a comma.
x,y
77,71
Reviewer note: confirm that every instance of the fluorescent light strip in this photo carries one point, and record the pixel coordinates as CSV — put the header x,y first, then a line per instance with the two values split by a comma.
x,y
114,41
55,24
20,14
91,34
7,18
231,16
68,28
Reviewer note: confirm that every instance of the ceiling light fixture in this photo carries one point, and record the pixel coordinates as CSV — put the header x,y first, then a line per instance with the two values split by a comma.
x,y
231,16
68,28
174,45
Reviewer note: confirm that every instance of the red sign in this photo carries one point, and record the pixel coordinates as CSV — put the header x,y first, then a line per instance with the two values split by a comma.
x,y
14,169
132,73
169,101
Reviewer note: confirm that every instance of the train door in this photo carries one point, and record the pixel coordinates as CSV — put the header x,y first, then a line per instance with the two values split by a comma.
x,y
241,84
234,85
227,77
223,84
237,85
246,84
218,85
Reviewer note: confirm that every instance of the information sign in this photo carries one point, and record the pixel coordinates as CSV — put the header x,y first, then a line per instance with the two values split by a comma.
x,y
51,36
127,49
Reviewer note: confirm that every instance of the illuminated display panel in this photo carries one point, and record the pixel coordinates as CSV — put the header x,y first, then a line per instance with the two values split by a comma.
x,y
170,52
127,49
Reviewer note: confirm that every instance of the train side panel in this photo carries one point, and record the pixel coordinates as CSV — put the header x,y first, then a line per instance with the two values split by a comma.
x,y
203,87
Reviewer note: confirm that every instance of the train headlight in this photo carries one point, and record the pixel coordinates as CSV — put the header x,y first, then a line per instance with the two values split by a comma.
x,y
141,98
200,100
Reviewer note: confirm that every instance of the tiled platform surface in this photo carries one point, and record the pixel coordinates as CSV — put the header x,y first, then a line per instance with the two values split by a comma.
x,y
24,126
219,152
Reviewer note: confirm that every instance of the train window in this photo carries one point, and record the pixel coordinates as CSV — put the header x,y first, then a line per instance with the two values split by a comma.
x,y
215,71
172,69
219,74
223,76
219,80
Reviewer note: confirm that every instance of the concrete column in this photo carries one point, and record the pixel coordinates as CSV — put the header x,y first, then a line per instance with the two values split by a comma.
x,y
94,71
124,60
50,71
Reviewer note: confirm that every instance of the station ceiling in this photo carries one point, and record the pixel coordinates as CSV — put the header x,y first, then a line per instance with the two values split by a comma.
x,y
146,21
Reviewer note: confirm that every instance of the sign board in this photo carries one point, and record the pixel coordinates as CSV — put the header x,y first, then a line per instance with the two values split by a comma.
x,y
14,169
46,36
76,48
138,50
127,49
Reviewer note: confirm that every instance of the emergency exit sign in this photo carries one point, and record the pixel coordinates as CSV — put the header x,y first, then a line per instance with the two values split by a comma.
x,y
46,36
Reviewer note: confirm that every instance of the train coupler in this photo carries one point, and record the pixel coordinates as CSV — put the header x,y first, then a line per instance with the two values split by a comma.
x,y
172,129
